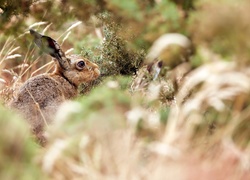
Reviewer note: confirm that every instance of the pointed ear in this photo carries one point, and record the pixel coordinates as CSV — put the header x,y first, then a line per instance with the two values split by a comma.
x,y
35,34
56,52
51,47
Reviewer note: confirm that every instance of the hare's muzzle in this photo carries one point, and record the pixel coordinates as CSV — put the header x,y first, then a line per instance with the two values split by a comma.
x,y
93,69
94,65
97,72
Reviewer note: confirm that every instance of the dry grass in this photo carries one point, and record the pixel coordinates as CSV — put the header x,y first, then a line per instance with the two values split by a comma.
x,y
200,137
13,74
180,126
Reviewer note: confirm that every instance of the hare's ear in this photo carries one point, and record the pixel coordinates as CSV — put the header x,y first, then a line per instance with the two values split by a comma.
x,y
51,47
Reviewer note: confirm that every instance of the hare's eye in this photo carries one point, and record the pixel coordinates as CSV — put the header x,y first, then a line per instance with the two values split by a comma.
x,y
80,65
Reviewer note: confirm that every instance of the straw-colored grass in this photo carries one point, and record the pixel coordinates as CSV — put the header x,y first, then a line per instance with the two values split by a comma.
x,y
191,122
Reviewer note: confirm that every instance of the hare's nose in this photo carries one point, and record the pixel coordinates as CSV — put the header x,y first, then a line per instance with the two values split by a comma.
x,y
97,71
95,65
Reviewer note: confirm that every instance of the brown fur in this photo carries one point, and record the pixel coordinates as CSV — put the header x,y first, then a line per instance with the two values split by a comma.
x,y
39,97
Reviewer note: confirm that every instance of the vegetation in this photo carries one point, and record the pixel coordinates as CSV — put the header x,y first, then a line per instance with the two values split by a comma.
x,y
17,149
193,118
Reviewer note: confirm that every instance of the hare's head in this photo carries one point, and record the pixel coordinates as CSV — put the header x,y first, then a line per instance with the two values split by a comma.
x,y
75,69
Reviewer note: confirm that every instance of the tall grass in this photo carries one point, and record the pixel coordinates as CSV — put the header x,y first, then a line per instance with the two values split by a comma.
x,y
189,123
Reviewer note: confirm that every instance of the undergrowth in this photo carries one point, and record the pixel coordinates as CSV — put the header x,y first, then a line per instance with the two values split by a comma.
x,y
192,119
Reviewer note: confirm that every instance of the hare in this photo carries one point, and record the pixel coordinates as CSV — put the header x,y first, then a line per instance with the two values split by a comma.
x,y
39,97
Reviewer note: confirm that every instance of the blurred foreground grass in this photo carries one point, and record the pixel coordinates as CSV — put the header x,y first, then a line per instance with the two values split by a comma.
x,y
193,119
17,149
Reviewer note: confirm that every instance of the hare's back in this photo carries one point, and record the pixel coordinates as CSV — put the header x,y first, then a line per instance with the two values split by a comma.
x,y
42,90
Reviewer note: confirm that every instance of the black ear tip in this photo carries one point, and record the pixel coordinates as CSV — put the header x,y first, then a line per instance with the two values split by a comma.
x,y
32,31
